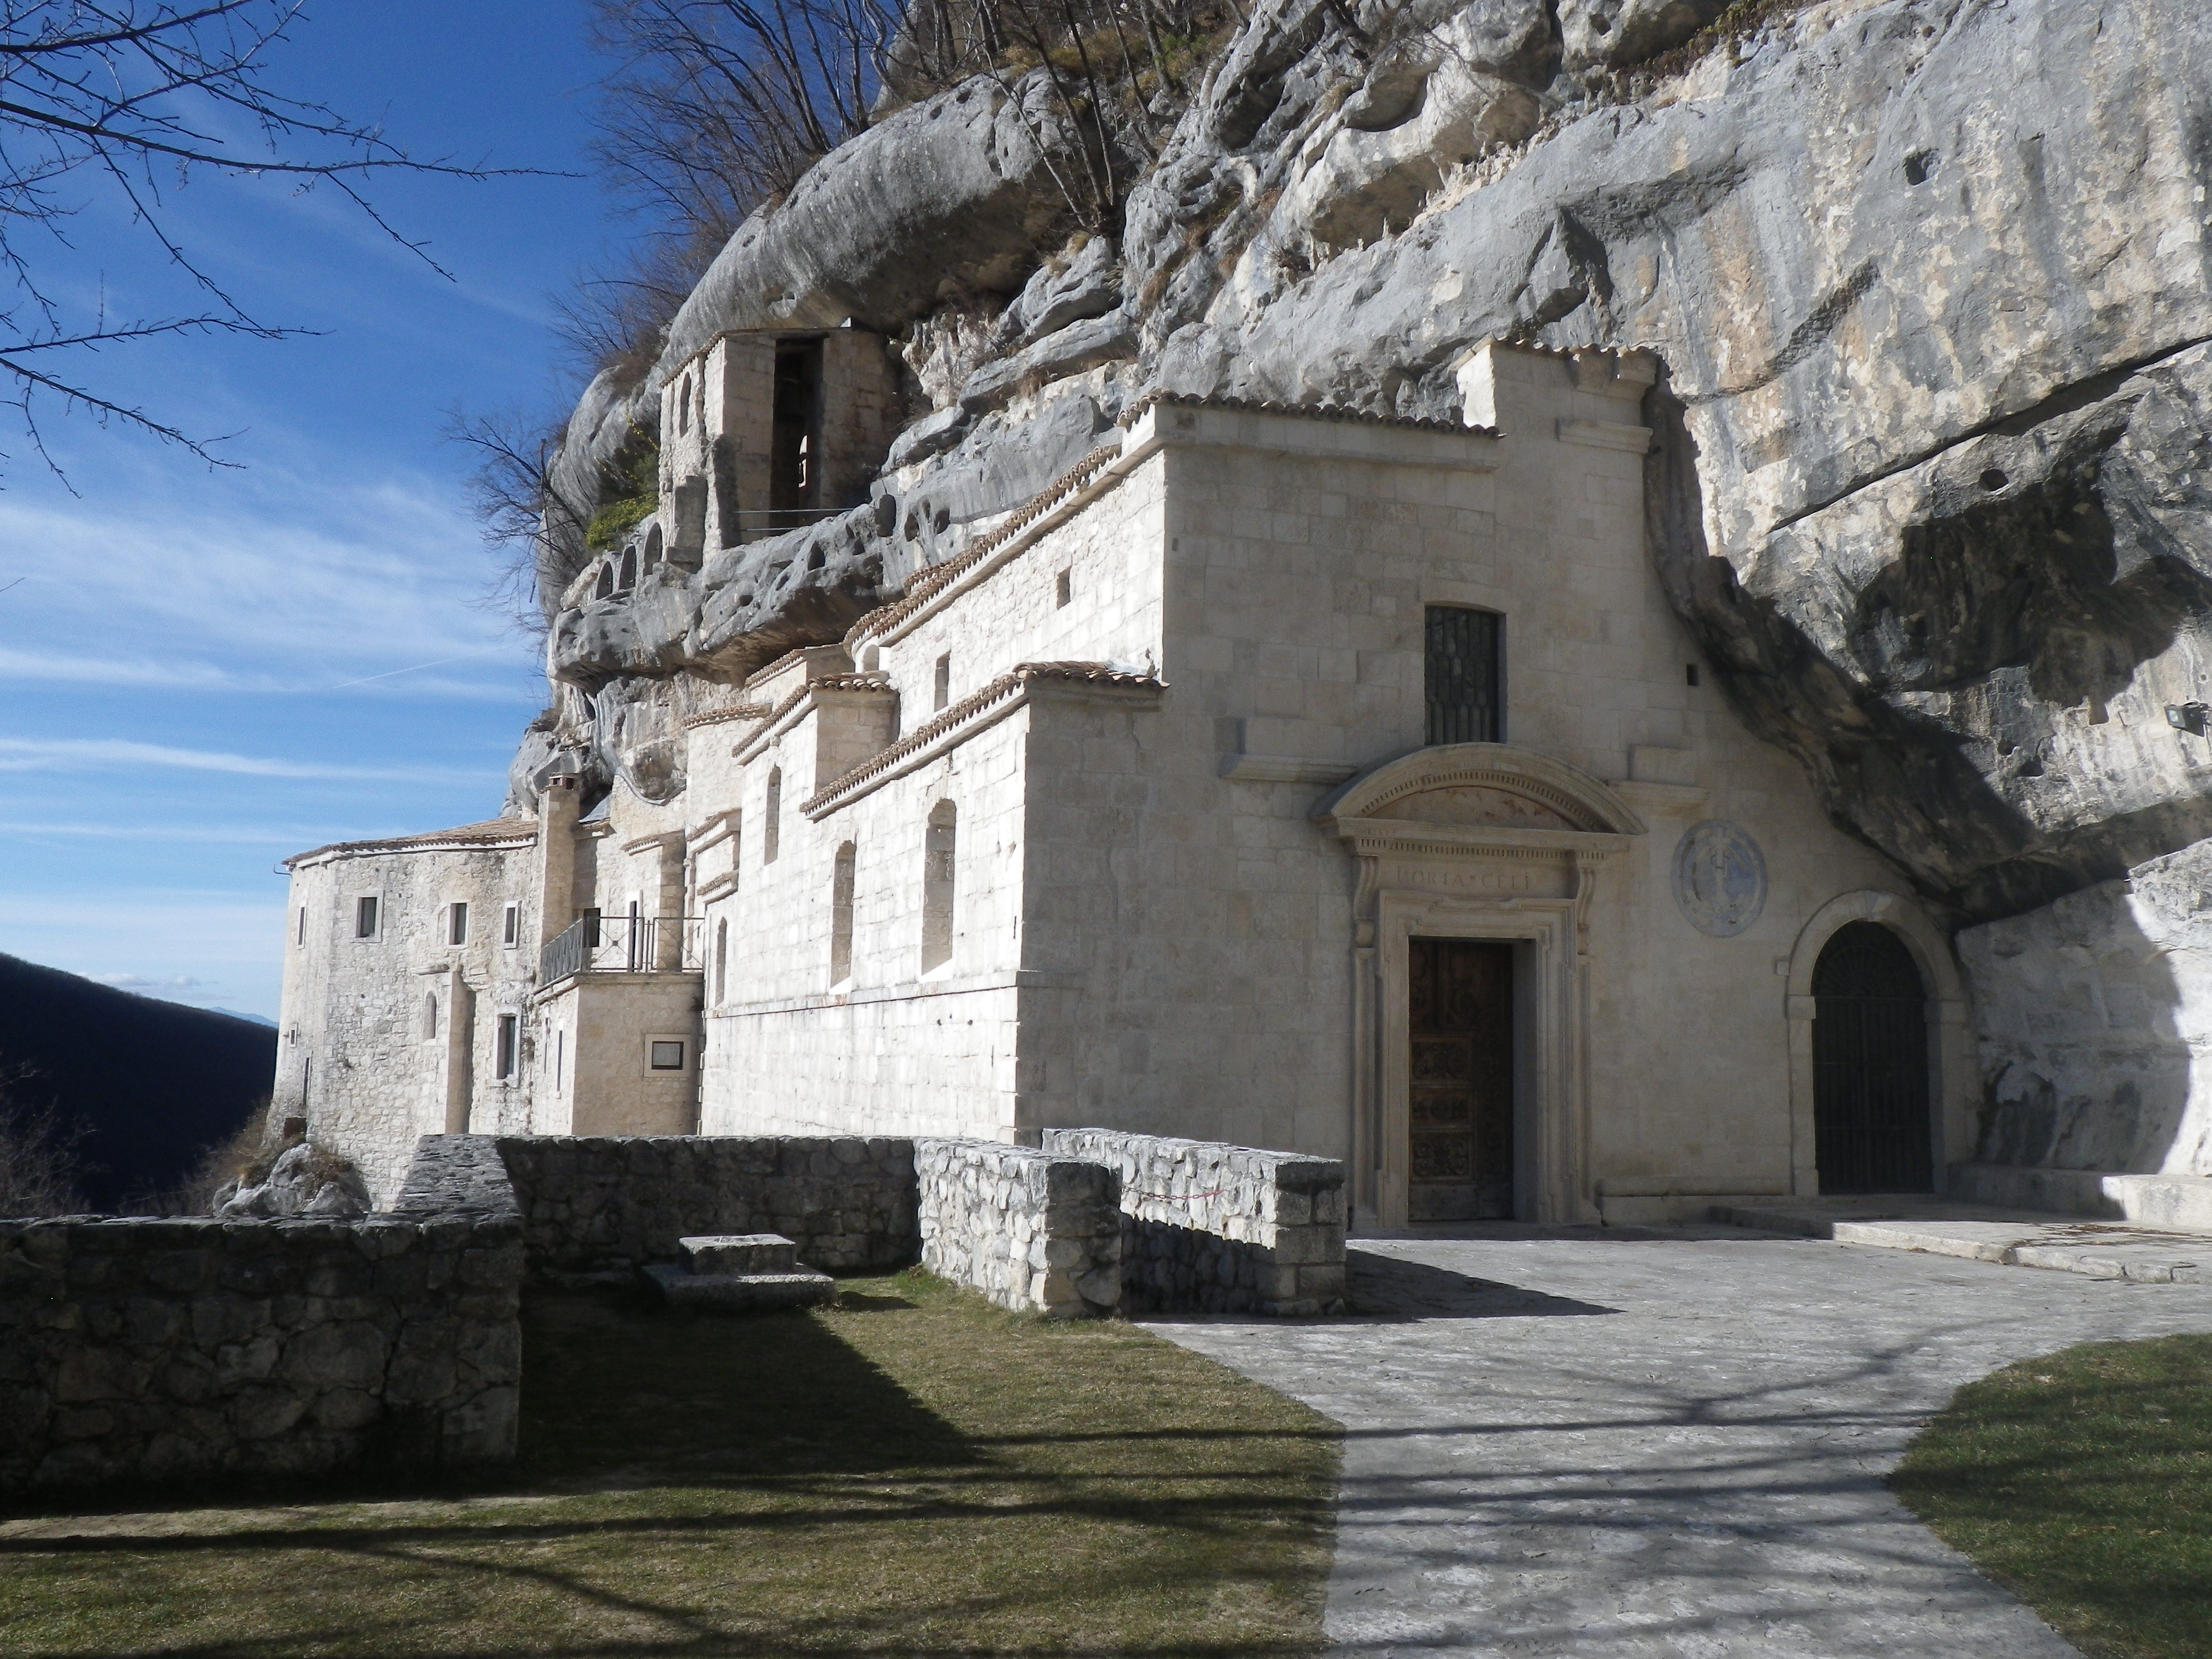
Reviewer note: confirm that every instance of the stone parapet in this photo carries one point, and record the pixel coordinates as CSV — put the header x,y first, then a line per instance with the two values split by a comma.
x,y
164,1348
1209,1228
1031,1230
603,1206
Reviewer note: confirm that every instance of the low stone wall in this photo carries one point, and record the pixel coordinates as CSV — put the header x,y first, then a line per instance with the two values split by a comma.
x,y
1029,1230
603,1206
1214,1229
156,1348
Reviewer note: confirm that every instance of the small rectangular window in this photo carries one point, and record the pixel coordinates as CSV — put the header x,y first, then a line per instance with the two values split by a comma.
x,y
503,1067
945,679
510,925
457,925
1463,687
364,918
1062,591
303,925
667,1056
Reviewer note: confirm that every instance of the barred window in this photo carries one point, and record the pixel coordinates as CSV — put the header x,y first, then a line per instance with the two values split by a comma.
x,y
1464,681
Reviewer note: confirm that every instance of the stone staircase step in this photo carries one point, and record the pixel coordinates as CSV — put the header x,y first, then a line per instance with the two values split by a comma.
x,y
741,1253
2064,1244
738,1293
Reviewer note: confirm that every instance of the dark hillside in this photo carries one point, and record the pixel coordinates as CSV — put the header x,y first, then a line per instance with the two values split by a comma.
x,y
154,1084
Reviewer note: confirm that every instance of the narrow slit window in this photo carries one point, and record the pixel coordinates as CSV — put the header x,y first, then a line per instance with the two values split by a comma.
x,y
457,925
944,680
503,1058
510,925
1463,682
840,915
303,925
1063,590
364,918
429,1015
773,818
937,870
721,961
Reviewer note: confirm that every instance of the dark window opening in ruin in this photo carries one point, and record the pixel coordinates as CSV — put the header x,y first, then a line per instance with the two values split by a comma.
x,y
457,925
1464,681
1063,590
503,1067
684,406
510,926
629,578
606,589
795,455
364,918
654,552
730,529
1690,673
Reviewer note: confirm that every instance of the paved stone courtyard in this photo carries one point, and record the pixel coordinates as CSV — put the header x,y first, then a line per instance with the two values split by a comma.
x,y
1559,1442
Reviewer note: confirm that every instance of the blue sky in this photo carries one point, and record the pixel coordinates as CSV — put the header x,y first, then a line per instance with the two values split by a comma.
x,y
203,671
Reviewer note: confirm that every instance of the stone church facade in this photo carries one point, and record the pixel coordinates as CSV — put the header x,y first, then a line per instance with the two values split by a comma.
x,y
1326,783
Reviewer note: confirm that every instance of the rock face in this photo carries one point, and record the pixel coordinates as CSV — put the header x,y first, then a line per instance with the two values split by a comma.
x,y
305,1181
1927,281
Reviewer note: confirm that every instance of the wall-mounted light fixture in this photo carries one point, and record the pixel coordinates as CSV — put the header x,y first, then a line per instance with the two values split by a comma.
x,y
2189,717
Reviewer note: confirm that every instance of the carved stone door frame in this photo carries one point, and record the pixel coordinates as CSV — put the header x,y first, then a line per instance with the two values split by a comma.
x,y
1476,842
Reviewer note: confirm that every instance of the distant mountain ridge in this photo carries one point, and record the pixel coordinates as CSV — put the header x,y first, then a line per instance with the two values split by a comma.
x,y
153,1084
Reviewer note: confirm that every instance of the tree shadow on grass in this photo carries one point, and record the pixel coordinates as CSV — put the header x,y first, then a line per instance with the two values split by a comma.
x,y
692,1485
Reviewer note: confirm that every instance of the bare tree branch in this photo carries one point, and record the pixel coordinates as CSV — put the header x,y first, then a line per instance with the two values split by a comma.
x,y
116,95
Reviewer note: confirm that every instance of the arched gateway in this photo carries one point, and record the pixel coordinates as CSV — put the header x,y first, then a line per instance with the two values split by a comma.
x,y
1871,1126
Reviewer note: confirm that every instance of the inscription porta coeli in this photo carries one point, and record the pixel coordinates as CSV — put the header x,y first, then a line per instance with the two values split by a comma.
x,y
1430,879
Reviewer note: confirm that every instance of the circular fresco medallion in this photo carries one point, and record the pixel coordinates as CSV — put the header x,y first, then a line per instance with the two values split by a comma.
x,y
1720,878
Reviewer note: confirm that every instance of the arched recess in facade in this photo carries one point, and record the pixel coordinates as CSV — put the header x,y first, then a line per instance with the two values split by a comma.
x,y
1950,1037
1479,842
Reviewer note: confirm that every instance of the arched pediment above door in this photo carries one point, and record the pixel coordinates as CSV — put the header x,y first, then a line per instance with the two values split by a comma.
x,y
1486,794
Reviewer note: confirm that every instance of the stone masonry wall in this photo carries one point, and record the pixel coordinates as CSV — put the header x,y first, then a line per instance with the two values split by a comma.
x,y
603,1206
1029,1230
1215,1228
162,1348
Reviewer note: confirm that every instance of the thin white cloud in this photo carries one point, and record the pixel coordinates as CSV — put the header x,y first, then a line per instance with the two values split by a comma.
x,y
209,835
53,754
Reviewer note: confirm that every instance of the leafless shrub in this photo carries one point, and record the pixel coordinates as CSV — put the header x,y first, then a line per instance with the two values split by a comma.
x,y
40,1161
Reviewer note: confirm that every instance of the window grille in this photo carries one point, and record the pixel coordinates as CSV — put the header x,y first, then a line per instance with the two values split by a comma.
x,y
1464,687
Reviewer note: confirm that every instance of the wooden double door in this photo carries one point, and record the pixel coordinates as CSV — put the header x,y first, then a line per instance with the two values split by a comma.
x,y
1460,1080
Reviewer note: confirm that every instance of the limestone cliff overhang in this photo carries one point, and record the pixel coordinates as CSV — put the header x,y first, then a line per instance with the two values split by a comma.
x,y
1029,682
1494,799
493,836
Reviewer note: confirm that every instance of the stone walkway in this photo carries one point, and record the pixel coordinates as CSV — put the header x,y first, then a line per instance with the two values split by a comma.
x,y
1575,1443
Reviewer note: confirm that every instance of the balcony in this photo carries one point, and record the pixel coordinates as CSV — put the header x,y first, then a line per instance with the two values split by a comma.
x,y
623,945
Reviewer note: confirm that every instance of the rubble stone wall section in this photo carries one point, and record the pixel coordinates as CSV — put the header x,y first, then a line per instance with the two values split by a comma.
x,y
604,1205
1032,1232
1209,1228
166,1348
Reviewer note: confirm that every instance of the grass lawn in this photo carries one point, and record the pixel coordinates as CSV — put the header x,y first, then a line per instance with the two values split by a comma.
x,y
909,1471
2083,1481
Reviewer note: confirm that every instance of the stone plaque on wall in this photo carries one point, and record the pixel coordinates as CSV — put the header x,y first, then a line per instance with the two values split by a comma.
x,y
1720,878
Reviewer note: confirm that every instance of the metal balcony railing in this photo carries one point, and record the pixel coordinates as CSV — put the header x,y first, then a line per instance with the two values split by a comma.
x,y
594,943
